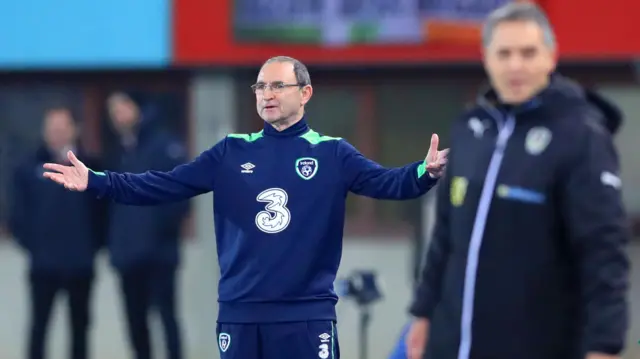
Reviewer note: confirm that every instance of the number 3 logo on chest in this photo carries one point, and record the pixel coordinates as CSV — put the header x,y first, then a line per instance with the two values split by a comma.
x,y
276,216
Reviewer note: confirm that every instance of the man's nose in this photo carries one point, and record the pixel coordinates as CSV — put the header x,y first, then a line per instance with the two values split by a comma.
x,y
515,63
268,94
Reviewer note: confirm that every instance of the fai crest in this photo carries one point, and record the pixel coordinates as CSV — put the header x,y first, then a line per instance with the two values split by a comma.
x,y
224,341
306,167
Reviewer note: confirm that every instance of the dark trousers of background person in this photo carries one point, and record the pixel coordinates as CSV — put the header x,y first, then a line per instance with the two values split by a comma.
x,y
44,287
145,288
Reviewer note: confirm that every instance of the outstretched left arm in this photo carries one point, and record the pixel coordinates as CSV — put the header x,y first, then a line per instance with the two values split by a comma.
x,y
368,178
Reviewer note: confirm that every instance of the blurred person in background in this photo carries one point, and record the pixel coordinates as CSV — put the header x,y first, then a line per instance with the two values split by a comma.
x,y
528,258
144,241
61,249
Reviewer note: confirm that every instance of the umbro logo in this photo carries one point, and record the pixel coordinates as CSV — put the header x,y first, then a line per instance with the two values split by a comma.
x,y
248,167
324,337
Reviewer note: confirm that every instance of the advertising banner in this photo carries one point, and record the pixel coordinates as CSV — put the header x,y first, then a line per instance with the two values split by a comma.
x,y
378,32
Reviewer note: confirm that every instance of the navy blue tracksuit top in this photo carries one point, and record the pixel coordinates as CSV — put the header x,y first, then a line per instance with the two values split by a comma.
x,y
279,214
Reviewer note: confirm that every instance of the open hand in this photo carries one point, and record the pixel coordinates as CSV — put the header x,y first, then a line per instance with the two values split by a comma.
x,y
436,160
74,177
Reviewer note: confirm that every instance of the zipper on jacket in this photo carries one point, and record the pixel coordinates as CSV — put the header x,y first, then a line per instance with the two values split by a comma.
x,y
477,233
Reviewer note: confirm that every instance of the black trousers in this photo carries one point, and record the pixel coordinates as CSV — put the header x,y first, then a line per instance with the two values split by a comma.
x,y
145,288
44,287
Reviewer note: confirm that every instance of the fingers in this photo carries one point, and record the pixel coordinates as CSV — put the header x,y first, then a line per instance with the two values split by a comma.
x,y
440,160
435,140
56,177
73,159
55,167
58,174
60,179
432,154
414,351
415,343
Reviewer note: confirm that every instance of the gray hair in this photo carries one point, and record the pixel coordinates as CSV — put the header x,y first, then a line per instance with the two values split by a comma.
x,y
518,11
299,69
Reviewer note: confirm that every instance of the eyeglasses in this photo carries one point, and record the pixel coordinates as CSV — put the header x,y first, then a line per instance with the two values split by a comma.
x,y
276,87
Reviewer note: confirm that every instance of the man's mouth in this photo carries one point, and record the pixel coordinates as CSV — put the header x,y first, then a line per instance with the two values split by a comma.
x,y
516,83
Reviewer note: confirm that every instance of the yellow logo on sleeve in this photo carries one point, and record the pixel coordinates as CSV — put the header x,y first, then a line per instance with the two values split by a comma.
x,y
458,191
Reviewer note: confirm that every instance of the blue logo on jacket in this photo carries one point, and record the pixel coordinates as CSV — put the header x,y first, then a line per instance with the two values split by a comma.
x,y
306,167
520,194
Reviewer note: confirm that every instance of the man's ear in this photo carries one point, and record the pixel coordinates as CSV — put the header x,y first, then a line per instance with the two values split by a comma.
x,y
307,92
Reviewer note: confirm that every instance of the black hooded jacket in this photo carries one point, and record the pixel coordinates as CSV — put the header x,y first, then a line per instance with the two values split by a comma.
x,y
60,230
528,255
140,236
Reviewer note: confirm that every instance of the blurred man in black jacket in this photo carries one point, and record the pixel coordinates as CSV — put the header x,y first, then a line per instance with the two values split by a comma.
x,y
528,257
144,242
60,232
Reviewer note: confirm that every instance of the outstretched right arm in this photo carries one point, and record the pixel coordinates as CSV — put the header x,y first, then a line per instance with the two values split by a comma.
x,y
148,188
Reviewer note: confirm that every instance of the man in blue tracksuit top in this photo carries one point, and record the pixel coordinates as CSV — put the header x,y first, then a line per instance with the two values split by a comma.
x,y
279,216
